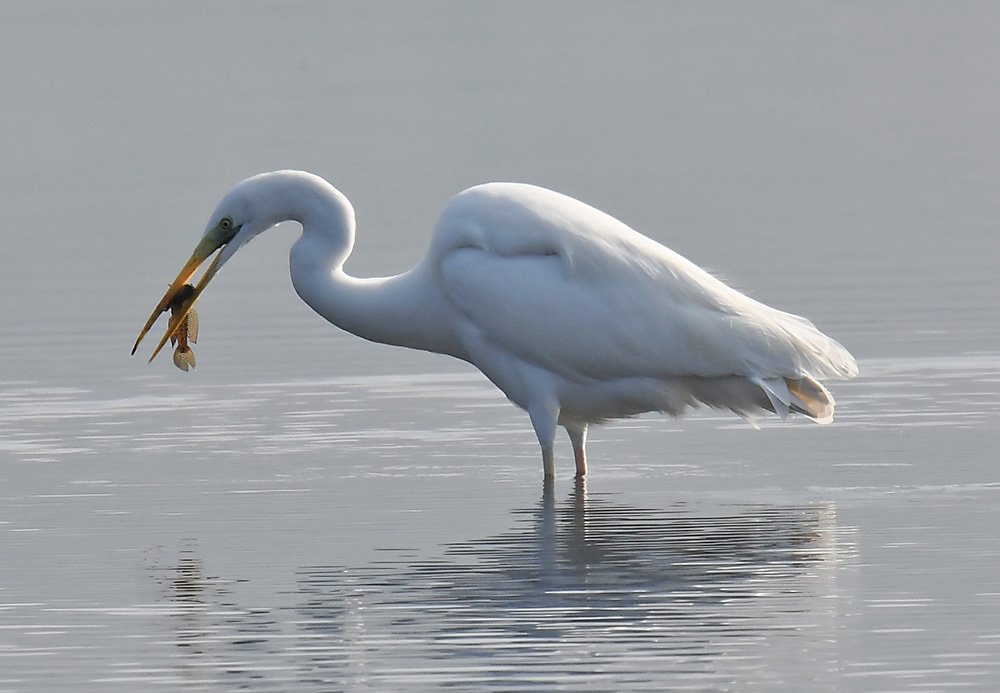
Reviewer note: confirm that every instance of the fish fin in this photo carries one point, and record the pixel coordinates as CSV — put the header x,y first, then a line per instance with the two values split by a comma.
x,y
184,358
192,326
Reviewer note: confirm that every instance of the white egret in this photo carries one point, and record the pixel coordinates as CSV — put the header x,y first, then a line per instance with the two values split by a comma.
x,y
573,315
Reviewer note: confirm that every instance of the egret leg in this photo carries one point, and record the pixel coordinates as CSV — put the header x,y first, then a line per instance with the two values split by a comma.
x,y
578,436
548,463
580,455
543,420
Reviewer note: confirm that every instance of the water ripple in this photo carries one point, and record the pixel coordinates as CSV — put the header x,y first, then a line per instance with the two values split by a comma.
x,y
586,592
406,412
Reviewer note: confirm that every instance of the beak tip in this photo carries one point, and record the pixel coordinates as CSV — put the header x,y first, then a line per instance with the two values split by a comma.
x,y
183,294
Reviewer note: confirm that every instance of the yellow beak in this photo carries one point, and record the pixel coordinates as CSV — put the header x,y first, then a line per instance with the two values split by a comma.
x,y
202,252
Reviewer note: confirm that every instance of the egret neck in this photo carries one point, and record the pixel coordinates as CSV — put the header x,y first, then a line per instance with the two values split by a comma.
x,y
391,310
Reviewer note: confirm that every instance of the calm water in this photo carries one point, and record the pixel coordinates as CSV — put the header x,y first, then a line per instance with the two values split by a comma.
x,y
310,512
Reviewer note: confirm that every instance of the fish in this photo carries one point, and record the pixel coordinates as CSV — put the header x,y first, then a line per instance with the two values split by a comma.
x,y
187,331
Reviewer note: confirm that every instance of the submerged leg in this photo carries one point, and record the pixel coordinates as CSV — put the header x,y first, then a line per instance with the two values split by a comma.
x,y
578,436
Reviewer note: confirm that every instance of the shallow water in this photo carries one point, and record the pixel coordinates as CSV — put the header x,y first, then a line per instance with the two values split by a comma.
x,y
306,511
392,532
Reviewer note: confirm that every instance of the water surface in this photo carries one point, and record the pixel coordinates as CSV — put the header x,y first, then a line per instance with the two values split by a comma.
x,y
392,532
307,511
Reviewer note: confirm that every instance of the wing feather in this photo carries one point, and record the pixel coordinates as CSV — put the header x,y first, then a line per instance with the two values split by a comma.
x,y
568,288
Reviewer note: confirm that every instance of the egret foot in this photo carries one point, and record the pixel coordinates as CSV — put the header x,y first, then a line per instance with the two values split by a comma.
x,y
548,463
578,437
581,462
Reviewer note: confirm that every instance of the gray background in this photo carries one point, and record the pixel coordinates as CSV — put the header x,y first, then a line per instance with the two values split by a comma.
x,y
309,511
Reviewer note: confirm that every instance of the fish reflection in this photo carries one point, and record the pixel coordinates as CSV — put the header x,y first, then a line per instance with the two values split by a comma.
x,y
191,596
206,624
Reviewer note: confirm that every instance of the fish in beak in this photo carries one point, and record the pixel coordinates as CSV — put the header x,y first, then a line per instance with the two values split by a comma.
x,y
187,330
181,297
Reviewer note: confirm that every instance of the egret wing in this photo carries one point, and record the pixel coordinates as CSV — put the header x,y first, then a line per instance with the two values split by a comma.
x,y
583,329
568,288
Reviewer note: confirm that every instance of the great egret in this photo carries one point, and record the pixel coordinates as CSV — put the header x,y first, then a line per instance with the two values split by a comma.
x,y
573,315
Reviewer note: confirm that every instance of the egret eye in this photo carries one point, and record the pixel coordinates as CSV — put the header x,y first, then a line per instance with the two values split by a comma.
x,y
225,223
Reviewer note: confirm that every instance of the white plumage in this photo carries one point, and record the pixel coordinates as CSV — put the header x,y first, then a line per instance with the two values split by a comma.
x,y
573,315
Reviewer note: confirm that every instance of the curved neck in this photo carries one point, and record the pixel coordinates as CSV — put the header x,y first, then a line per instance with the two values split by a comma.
x,y
396,310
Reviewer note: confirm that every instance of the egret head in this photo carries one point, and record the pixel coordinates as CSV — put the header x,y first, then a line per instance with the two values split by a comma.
x,y
234,222
252,207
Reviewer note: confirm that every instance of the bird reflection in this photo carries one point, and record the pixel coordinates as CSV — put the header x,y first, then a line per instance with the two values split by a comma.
x,y
588,575
588,541
694,593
